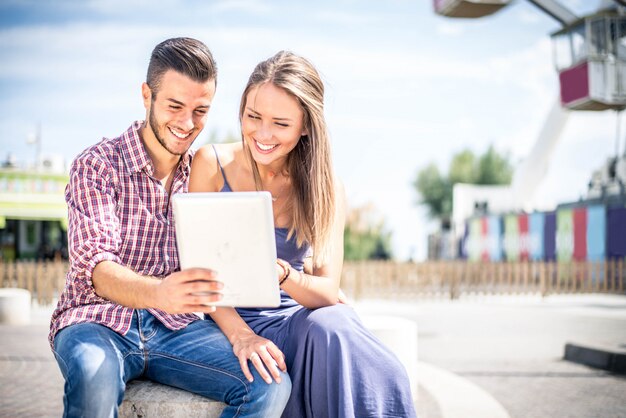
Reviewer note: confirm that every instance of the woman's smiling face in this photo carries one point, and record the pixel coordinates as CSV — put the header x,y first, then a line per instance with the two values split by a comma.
x,y
272,124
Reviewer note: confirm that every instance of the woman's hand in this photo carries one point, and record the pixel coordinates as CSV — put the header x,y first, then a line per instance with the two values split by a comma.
x,y
283,270
263,354
342,298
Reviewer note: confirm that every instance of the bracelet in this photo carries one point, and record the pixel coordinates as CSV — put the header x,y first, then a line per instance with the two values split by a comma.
x,y
286,271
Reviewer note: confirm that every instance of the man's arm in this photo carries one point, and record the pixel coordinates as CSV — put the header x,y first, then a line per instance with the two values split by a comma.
x,y
181,292
94,236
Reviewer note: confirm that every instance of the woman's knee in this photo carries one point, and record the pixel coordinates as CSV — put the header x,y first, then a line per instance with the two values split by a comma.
x,y
331,320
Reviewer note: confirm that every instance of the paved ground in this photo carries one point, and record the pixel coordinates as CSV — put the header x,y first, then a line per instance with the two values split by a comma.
x,y
31,384
497,356
512,349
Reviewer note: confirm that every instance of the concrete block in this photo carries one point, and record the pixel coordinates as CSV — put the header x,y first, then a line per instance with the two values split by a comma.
x,y
146,399
14,306
612,359
400,336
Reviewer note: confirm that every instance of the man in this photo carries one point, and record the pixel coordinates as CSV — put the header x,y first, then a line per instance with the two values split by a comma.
x,y
126,311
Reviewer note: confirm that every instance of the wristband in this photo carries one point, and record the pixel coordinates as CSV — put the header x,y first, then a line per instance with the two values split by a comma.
x,y
286,270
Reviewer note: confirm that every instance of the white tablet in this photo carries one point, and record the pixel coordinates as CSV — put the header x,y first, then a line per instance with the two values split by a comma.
x,y
231,233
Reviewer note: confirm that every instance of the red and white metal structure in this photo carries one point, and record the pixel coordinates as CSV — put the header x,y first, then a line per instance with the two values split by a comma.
x,y
590,58
589,51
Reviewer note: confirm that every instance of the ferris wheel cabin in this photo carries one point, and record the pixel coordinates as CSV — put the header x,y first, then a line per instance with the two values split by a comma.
x,y
590,57
468,8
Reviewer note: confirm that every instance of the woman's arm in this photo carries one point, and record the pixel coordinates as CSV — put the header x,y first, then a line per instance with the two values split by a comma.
x,y
318,286
263,353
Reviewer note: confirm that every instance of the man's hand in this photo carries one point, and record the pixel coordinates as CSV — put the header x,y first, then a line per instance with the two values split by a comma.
x,y
191,290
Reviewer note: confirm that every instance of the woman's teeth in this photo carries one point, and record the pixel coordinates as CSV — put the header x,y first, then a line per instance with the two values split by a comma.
x,y
263,147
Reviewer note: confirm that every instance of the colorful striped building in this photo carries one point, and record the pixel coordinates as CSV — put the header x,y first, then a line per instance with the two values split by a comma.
x,y
584,231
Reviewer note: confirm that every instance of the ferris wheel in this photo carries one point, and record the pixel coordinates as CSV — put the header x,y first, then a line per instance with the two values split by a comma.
x,y
589,54
589,51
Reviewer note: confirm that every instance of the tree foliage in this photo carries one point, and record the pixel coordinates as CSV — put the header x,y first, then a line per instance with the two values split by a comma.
x,y
365,237
494,168
435,189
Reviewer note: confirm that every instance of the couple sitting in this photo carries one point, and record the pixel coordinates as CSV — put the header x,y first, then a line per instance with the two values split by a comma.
x,y
127,310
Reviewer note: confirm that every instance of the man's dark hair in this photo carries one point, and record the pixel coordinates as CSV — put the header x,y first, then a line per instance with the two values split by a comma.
x,y
186,56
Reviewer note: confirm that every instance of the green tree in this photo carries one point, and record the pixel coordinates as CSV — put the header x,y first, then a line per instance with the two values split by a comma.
x,y
365,237
435,189
494,168
463,168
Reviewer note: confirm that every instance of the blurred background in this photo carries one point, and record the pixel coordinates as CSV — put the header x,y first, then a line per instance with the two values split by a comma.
x,y
481,145
408,90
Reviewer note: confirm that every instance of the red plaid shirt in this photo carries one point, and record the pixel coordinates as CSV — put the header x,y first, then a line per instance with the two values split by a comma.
x,y
117,211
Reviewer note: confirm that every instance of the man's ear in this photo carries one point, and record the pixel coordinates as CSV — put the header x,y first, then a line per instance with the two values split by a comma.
x,y
146,94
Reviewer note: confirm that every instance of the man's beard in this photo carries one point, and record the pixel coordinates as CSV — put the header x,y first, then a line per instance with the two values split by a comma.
x,y
154,125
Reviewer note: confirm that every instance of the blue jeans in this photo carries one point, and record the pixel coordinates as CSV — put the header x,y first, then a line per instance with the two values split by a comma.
x,y
97,362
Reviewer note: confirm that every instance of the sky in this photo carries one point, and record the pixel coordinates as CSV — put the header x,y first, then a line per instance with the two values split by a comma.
x,y
404,87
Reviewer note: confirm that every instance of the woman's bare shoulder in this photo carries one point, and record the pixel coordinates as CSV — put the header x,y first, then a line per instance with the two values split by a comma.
x,y
209,153
204,171
229,152
205,157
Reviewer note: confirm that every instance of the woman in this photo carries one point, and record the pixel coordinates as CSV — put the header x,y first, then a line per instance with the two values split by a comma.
x,y
337,368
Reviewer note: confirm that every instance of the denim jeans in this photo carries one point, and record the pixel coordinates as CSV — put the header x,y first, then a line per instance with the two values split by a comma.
x,y
96,363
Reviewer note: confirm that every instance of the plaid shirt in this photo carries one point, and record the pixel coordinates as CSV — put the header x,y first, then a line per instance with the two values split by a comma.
x,y
119,212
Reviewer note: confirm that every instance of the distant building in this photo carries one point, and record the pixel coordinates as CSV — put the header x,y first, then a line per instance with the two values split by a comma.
x,y
488,227
33,213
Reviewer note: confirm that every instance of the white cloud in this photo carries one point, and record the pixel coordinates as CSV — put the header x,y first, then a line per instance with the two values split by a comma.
x,y
112,7
528,16
343,18
249,6
450,29
175,9
79,51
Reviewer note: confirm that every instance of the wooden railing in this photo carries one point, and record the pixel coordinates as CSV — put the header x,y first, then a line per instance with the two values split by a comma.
x,y
452,279
390,280
44,279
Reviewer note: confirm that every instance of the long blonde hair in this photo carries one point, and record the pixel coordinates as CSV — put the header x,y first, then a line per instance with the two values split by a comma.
x,y
309,164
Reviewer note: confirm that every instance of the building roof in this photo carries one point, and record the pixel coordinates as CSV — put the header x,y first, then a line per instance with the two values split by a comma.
x,y
35,195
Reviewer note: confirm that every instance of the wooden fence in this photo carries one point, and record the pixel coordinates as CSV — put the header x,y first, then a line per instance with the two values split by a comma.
x,y
44,279
452,279
391,280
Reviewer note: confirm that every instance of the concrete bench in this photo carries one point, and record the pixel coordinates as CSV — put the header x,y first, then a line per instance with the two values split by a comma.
x,y
145,399
14,306
400,336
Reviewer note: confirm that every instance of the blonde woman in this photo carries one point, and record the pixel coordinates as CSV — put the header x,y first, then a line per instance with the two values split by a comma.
x,y
337,368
